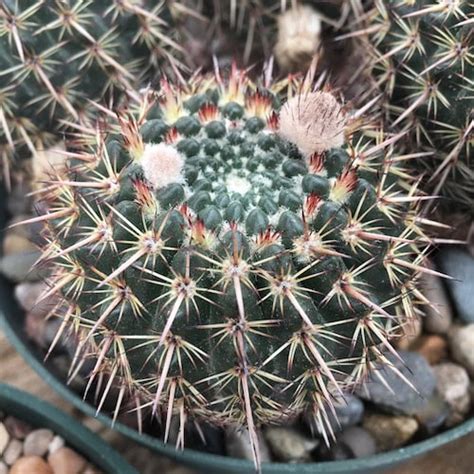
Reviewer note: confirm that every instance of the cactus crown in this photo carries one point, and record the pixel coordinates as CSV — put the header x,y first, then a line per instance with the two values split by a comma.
x,y
227,259
424,59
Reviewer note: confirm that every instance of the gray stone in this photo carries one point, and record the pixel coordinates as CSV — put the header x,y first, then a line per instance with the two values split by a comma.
x,y
349,411
4,438
19,267
289,445
37,442
396,395
439,315
452,383
238,444
461,343
433,415
13,451
358,441
459,264
390,432
3,468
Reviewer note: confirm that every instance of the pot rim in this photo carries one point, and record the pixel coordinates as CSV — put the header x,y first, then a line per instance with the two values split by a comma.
x,y
224,463
41,414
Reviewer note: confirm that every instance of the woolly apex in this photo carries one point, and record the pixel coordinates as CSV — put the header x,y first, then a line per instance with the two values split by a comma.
x,y
162,165
313,121
299,31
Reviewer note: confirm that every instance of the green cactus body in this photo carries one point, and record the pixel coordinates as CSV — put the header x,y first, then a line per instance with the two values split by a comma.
x,y
57,56
425,60
219,271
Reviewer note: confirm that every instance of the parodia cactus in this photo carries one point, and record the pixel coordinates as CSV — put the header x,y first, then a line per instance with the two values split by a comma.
x,y
56,56
228,260
424,53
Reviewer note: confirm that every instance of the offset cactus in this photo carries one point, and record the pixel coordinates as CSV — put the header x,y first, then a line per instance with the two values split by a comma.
x,y
255,29
227,259
56,56
424,59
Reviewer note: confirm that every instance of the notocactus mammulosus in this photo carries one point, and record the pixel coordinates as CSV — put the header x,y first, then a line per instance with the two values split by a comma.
x,y
424,62
227,258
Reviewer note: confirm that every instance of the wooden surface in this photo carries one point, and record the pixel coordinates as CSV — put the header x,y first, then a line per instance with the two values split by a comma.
x,y
456,458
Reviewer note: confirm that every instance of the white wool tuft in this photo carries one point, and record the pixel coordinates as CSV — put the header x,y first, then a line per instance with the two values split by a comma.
x,y
299,31
313,121
162,165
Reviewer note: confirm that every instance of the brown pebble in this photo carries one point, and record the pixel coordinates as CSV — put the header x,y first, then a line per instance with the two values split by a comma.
x,y
433,348
411,334
13,451
66,461
14,243
91,470
390,432
30,465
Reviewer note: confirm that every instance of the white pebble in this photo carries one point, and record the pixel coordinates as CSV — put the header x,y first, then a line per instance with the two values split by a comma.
x,y
56,443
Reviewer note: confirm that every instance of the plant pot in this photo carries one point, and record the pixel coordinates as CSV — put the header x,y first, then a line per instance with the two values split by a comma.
x,y
40,414
11,322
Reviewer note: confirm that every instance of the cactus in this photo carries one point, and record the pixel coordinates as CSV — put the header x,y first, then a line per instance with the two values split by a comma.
x,y
424,61
229,259
257,29
56,56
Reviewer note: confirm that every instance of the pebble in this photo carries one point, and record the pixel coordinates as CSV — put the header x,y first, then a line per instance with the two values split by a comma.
x,y
66,461
433,415
400,398
30,465
459,264
238,444
358,441
452,383
4,438
19,201
288,445
13,451
412,332
37,442
432,347
3,468
390,432
439,316
349,412
47,162
18,429
27,294
15,242
461,343
56,443
19,267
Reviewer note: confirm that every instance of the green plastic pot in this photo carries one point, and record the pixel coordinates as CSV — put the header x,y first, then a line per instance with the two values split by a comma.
x,y
40,414
11,321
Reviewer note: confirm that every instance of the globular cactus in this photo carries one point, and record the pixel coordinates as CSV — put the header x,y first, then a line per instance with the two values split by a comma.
x,y
424,63
230,259
56,56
